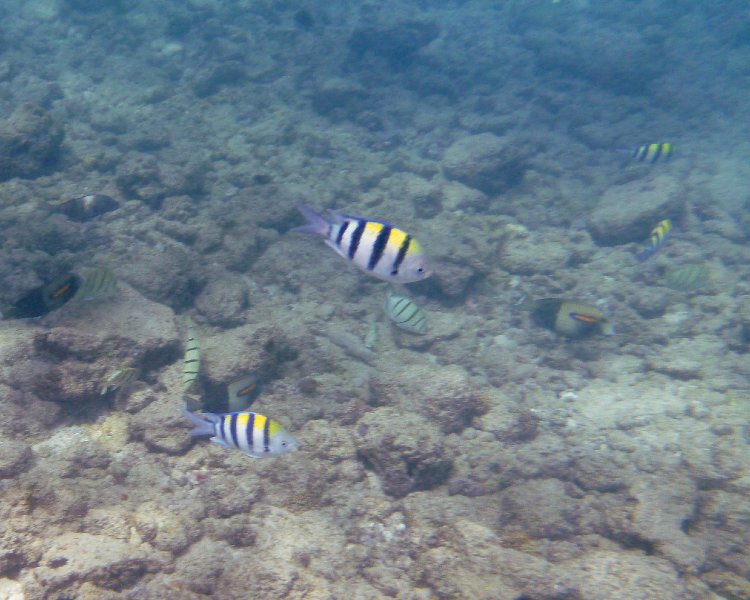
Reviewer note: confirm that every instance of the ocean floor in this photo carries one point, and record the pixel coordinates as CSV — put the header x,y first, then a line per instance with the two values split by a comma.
x,y
489,458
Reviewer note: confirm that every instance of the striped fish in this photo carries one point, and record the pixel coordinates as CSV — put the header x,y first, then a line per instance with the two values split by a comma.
x,y
98,283
659,235
404,314
254,434
377,248
119,379
192,357
651,153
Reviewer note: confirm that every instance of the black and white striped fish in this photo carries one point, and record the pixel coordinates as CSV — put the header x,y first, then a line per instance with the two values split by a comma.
x,y
192,363
254,434
377,248
405,314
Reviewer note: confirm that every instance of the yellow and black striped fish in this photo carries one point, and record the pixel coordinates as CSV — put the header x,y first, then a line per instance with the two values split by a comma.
x,y
46,298
656,240
405,314
254,434
192,362
377,248
651,153
569,318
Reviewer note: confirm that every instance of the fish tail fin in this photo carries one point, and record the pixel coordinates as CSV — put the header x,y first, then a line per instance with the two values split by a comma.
x,y
316,223
645,255
204,425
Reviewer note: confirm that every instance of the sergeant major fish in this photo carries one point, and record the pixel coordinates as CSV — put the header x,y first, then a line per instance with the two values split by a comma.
x,y
377,248
651,153
254,434
659,235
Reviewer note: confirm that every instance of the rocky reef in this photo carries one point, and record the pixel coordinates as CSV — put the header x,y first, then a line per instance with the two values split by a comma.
x,y
488,458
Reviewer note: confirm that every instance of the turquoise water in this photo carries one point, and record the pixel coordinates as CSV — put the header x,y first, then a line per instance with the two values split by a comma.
x,y
506,453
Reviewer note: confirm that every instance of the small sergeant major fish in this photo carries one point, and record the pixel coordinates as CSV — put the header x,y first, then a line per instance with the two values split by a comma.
x,y
44,299
405,314
656,240
242,392
254,434
87,207
569,318
651,153
376,247
192,363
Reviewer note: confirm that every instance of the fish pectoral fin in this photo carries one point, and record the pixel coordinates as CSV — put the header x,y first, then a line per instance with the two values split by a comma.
x,y
335,248
219,441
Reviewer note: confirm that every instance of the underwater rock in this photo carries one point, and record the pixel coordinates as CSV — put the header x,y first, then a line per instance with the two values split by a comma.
x,y
397,44
72,558
201,568
223,74
15,458
536,252
30,141
543,508
449,399
223,301
489,163
404,449
628,212
339,98
611,58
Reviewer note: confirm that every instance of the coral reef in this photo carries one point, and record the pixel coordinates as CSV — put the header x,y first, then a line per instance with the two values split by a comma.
x,y
487,458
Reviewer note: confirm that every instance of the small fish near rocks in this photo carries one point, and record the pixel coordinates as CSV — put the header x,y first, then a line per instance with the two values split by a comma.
x,y
570,319
44,299
254,434
85,208
375,247
405,314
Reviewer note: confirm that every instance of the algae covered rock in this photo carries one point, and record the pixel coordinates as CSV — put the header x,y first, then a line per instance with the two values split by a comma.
x,y
30,140
486,162
72,558
628,212
405,450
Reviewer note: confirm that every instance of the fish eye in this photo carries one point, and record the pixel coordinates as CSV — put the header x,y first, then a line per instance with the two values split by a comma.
x,y
283,444
420,270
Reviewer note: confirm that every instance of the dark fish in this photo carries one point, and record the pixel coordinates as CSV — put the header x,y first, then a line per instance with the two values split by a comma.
x,y
87,207
651,153
659,235
570,319
243,392
46,298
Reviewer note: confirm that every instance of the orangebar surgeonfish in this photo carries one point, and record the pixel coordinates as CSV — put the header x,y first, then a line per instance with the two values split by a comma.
x,y
46,298
254,434
570,319
657,239
377,248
